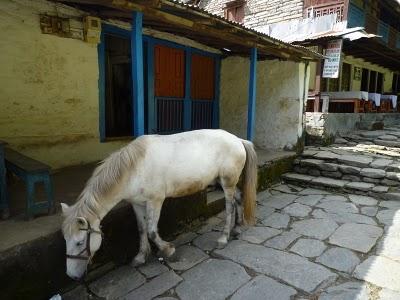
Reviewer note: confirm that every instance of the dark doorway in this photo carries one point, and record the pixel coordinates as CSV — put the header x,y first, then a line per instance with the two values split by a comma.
x,y
346,77
372,82
379,84
118,75
364,80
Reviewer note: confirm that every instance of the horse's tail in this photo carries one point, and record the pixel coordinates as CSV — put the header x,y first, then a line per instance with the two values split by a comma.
x,y
250,183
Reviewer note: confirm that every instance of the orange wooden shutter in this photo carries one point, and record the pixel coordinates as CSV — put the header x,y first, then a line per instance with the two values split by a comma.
x,y
169,72
202,79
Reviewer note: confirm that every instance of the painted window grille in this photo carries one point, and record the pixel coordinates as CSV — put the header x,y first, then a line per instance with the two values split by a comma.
x,y
315,8
356,17
234,11
383,30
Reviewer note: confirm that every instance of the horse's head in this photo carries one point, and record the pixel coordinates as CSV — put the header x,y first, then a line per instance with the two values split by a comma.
x,y
83,239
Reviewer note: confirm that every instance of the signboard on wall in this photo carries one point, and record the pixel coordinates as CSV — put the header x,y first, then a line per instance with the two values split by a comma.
x,y
332,60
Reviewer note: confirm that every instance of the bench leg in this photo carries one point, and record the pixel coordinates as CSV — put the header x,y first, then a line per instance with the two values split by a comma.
x,y
49,193
30,198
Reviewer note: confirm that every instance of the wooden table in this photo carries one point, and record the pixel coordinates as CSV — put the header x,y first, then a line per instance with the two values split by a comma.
x,y
356,98
3,184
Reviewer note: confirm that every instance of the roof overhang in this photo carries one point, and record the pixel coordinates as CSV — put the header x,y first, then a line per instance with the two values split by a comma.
x,y
195,23
374,51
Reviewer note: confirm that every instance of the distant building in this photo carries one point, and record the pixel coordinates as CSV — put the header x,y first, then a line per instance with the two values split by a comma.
x,y
370,54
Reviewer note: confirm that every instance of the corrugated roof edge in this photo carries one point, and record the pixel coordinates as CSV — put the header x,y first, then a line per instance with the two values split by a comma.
x,y
304,50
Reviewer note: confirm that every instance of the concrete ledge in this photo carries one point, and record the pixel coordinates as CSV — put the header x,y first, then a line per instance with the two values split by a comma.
x,y
323,127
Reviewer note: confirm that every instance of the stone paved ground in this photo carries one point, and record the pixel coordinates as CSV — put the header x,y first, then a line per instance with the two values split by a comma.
x,y
307,244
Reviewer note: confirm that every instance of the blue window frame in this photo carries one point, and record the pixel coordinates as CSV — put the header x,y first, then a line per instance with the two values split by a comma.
x,y
150,105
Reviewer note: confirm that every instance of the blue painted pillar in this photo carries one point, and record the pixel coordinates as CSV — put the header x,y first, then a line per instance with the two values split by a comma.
x,y
152,107
137,73
251,110
187,109
215,117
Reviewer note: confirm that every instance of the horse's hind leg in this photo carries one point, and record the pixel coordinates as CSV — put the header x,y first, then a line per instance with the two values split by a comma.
x,y
145,249
153,215
229,207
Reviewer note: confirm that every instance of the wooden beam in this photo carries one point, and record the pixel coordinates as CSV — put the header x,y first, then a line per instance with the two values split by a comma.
x,y
228,33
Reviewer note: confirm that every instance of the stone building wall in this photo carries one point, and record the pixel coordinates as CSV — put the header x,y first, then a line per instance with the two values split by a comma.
x,y
260,12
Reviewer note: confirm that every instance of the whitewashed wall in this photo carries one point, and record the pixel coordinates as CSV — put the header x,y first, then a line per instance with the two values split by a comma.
x,y
280,99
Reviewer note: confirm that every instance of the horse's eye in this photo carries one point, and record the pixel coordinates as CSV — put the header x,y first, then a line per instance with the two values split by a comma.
x,y
79,243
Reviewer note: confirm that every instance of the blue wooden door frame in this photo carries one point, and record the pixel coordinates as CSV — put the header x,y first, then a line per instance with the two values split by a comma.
x,y
251,110
137,38
137,73
101,48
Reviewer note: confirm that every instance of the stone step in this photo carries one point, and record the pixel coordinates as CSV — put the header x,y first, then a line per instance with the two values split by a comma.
x,y
355,187
379,171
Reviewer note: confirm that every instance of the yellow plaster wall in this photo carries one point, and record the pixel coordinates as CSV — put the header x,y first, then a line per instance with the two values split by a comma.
x,y
49,90
313,74
357,62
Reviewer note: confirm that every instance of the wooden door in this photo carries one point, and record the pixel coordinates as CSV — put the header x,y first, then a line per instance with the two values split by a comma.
x,y
202,87
169,89
169,72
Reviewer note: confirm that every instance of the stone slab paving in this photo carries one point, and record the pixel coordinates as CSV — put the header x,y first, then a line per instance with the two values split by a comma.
x,y
118,283
359,237
340,259
263,287
308,247
277,220
315,228
187,257
258,235
213,279
279,264
153,268
307,244
346,291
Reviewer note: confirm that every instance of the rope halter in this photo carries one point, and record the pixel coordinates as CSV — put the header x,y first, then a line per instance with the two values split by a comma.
x,y
89,230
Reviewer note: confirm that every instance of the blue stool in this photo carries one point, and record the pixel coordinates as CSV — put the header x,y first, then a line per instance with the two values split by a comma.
x,y
32,172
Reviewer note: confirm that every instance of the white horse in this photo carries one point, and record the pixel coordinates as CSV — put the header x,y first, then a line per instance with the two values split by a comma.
x,y
150,169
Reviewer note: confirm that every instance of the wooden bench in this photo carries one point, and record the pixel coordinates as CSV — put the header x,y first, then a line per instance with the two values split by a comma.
x,y
32,172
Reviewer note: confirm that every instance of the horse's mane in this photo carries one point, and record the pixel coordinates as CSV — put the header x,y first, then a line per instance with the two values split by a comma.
x,y
105,177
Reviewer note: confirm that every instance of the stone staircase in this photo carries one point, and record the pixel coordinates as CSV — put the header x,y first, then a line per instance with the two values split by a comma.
x,y
357,163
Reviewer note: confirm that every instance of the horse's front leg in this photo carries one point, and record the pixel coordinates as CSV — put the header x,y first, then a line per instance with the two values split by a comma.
x,y
145,249
153,210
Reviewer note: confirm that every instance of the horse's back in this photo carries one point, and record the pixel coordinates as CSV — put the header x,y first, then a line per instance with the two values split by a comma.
x,y
187,162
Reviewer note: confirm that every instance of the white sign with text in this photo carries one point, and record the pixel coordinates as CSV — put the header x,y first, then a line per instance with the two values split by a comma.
x,y
332,60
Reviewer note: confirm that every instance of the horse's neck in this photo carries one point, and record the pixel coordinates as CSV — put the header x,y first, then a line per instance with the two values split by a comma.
x,y
97,210
107,204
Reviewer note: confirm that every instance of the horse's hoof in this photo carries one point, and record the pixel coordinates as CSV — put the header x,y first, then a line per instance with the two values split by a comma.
x,y
138,261
169,251
222,242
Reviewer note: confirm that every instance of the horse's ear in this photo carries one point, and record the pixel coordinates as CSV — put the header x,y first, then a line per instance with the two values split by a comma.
x,y
81,222
64,208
